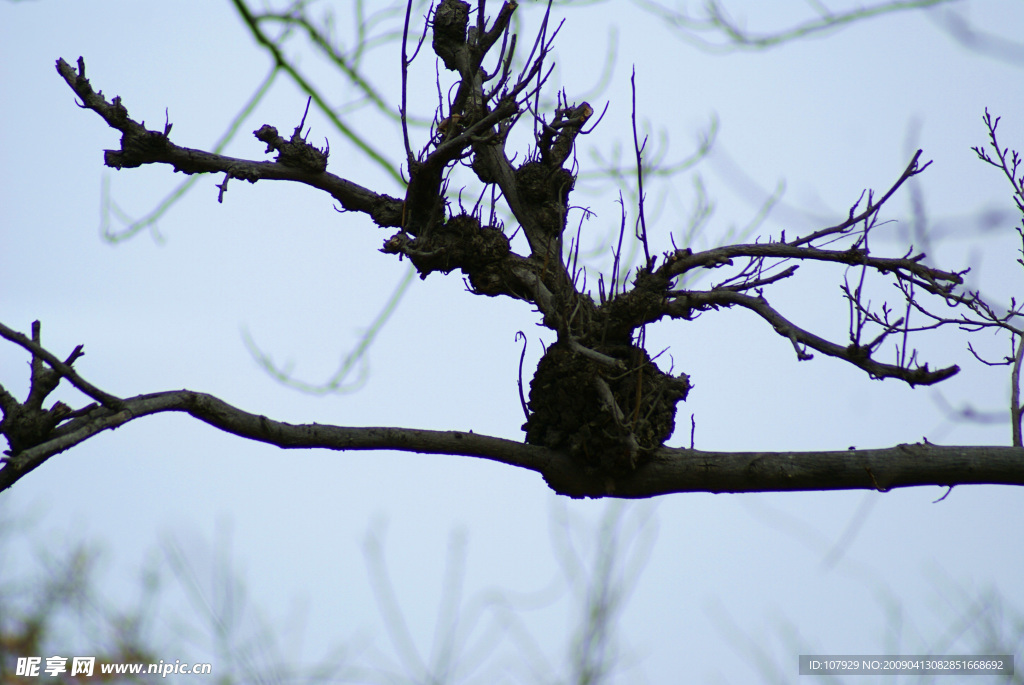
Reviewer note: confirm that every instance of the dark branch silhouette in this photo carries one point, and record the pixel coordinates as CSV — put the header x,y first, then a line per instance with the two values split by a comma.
x,y
600,408
668,470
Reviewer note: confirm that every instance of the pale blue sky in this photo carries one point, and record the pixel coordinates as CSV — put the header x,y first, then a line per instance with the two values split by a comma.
x,y
829,116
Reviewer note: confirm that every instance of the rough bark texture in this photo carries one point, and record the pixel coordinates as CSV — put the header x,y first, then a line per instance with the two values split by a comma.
x,y
610,419
600,408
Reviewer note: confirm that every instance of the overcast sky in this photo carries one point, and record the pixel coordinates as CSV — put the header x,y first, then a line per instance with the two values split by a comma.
x,y
735,586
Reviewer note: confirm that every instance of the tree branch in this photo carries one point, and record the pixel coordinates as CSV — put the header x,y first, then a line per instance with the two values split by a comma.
x,y
859,355
600,408
670,470
935,281
140,145
666,471
682,470
700,31
62,368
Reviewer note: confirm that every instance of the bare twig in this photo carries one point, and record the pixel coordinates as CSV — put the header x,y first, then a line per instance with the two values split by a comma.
x,y
638,149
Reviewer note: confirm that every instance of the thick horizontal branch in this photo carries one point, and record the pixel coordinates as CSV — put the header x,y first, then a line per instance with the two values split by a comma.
x,y
669,471
140,145
230,419
682,470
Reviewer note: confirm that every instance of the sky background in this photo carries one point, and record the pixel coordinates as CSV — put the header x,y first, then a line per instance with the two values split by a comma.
x,y
722,588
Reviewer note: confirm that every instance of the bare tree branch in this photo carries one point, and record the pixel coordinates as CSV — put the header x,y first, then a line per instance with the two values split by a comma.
x,y
718,32
600,408
667,470
140,145
860,356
